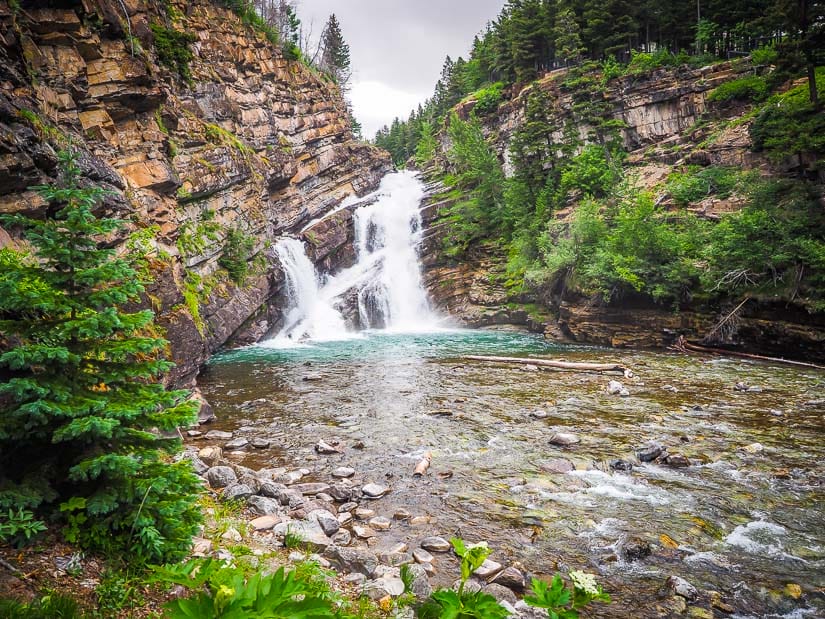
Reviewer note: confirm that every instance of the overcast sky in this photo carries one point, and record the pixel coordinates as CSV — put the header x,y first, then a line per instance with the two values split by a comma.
x,y
398,47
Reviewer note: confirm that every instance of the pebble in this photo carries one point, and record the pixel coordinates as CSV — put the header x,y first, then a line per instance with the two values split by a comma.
x,y
419,520
374,491
343,471
362,513
682,587
564,439
218,435
379,523
264,523
236,444
401,514
322,447
435,544
614,387
422,556
260,443
363,532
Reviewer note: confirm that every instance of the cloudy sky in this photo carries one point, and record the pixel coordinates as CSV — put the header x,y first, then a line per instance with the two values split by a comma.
x,y
398,47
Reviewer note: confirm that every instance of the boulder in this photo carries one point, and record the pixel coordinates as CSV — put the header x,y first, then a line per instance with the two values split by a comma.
x,y
221,476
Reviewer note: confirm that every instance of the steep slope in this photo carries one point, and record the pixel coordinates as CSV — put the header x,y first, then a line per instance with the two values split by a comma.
x,y
212,143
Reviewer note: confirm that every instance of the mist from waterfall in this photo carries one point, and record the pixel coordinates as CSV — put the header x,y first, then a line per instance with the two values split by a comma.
x,y
385,280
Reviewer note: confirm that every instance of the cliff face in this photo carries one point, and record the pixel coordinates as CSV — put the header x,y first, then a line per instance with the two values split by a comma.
x,y
661,115
252,147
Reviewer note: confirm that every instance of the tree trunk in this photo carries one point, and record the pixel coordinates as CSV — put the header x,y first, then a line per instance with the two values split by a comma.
x,y
556,363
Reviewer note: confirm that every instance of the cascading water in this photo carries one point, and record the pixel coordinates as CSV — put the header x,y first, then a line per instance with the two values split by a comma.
x,y
386,277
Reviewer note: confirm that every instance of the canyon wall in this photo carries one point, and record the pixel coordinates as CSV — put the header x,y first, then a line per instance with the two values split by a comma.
x,y
238,144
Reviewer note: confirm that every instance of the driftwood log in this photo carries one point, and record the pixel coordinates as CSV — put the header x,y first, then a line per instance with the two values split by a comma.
x,y
683,345
558,364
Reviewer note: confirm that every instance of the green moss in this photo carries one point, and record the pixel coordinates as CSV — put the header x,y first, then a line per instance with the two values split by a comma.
x,y
172,47
195,236
749,88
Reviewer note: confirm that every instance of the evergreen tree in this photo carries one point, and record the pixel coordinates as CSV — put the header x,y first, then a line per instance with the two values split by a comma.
x,y
81,410
335,58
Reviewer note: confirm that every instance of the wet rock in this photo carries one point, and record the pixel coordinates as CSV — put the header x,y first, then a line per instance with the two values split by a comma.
x,y
422,556
322,447
218,435
435,544
310,489
512,578
379,523
271,489
210,455
754,448
352,560
263,506
564,439
649,452
636,548
614,387
500,592
558,466
681,587
264,523
309,531
236,444
677,461
237,492
374,491
488,569
221,476
260,443
343,471
621,465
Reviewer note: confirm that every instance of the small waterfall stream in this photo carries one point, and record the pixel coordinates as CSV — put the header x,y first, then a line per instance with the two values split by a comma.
x,y
386,278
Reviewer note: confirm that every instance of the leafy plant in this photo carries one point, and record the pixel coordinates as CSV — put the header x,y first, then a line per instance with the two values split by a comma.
x,y
460,604
172,47
564,602
695,184
19,527
83,405
223,591
50,606
749,88
235,256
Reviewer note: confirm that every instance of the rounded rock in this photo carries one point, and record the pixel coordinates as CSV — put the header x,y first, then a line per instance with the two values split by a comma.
x,y
435,544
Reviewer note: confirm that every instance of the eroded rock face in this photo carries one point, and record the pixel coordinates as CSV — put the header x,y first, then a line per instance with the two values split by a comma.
x,y
254,143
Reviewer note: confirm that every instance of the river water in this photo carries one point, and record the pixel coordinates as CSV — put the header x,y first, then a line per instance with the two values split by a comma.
x,y
745,519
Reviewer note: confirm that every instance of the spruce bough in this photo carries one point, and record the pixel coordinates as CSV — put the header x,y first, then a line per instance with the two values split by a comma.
x,y
82,414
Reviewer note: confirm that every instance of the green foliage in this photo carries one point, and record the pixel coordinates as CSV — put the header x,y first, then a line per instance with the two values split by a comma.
x,y
427,145
218,135
18,528
116,592
695,184
449,604
225,591
237,248
172,47
764,55
488,98
564,602
50,606
194,236
748,88
82,408
590,172
245,9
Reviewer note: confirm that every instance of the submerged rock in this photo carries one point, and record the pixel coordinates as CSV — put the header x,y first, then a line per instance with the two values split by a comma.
x,y
564,439
649,452
218,435
621,465
558,465
636,548
614,387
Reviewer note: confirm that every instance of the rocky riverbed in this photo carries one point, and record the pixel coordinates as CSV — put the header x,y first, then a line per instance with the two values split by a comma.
x,y
694,487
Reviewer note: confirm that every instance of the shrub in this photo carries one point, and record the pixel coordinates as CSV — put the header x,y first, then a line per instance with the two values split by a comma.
x,y
696,184
590,173
19,527
488,98
562,602
173,50
50,606
764,55
749,88
235,256
82,410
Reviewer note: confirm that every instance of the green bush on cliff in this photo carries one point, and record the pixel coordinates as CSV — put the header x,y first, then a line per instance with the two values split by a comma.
x,y
172,47
235,257
749,88
82,414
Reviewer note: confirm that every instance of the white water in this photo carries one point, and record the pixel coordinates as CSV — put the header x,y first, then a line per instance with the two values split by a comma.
x,y
386,278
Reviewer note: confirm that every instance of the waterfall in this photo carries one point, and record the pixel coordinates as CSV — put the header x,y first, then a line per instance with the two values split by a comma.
x,y
385,280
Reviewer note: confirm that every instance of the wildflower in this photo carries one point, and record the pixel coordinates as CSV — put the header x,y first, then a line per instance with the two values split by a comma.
x,y
585,582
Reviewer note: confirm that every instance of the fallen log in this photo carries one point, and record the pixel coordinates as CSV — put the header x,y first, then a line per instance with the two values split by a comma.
x,y
683,345
423,465
555,363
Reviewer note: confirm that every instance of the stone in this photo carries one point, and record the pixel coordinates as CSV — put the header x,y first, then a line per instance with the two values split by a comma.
x,y
237,492
754,448
199,465
194,433
352,560
621,465
210,455
386,585
401,514
309,531
236,444
290,477
419,520
681,587
558,466
310,489
363,532
395,559
328,522
435,544
201,547
263,506
348,507
636,548
343,471
500,592
422,556
363,513
420,586
374,491
677,460
344,517
564,439
232,535
379,523
355,579
260,443
340,492
322,447
271,489
264,523
512,578
614,387
220,476
649,452
342,538
218,435
488,569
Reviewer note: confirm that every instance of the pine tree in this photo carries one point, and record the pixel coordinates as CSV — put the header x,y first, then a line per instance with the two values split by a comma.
x,y
81,411
335,58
